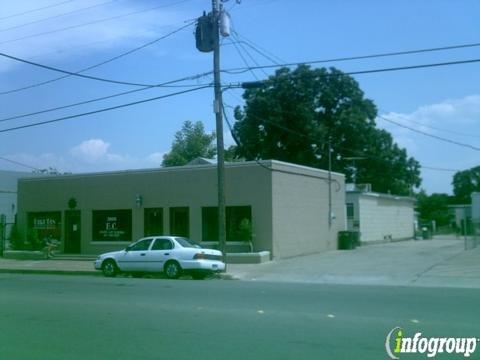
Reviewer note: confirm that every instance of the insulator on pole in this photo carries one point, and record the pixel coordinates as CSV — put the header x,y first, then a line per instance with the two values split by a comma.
x,y
224,23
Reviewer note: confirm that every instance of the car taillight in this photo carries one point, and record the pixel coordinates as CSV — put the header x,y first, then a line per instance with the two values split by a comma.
x,y
199,256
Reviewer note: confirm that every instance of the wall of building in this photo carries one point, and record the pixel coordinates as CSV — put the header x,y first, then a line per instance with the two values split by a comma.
x,y
300,210
383,217
192,186
475,206
459,213
8,194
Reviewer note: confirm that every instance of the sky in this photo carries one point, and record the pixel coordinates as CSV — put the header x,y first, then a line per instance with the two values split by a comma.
x,y
76,34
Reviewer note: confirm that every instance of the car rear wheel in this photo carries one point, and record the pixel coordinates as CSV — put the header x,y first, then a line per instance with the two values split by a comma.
x,y
109,268
172,270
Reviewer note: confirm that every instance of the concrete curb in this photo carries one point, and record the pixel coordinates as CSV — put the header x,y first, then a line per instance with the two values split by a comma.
x,y
222,276
49,272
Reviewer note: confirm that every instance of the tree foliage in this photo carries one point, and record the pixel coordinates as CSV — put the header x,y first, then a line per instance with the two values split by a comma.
x,y
292,116
434,208
464,183
190,142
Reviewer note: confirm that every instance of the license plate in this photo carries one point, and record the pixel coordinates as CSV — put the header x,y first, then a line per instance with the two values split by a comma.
x,y
214,266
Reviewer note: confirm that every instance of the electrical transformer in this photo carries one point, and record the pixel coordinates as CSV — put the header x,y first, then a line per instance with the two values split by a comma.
x,y
204,33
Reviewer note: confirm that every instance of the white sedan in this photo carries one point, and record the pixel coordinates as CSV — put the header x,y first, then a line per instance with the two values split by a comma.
x,y
169,254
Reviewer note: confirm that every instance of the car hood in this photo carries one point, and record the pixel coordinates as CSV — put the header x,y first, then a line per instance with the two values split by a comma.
x,y
112,254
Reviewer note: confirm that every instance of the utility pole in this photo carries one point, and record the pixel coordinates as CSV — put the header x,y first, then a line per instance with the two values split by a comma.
x,y
354,165
219,128
329,182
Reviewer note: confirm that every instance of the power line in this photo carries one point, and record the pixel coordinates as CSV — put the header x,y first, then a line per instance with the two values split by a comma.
x,y
250,68
36,9
102,110
237,141
430,135
70,73
90,23
372,71
441,129
240,44
57,16
19,163
372,56
254,49
306,136
243,59
78,73
165,84
259,49
440,169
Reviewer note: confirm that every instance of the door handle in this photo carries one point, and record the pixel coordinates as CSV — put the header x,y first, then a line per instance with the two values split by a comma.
x,y
167,254
142,254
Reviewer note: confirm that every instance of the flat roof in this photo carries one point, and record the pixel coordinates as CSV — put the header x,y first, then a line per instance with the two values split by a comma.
x,y
382,195
273,164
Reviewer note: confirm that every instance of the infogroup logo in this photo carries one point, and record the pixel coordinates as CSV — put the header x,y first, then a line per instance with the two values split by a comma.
x,y
397,343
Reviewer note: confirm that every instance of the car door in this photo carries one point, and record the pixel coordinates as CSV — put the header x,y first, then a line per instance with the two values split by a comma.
x,y
160,252
135,257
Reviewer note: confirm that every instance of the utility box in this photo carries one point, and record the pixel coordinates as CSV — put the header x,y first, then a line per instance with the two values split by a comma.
x,y
205,33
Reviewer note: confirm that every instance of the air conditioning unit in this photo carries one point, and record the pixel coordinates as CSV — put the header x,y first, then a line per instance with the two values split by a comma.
x,y
359,187
364,187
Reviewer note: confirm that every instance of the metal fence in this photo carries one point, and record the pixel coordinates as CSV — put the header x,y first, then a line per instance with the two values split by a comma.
x,y
3,233
473,240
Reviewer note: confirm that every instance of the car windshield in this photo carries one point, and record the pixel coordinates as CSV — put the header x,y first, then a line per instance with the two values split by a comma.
x,y
187,243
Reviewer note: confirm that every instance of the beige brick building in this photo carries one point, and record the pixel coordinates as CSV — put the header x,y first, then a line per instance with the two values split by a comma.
x,y
276,206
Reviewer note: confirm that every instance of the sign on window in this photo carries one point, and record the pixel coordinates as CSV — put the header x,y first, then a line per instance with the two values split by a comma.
x,y
112,225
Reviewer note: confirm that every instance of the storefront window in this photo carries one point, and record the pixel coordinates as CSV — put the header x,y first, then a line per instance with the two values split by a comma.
x,y
238,223
112,225
43,225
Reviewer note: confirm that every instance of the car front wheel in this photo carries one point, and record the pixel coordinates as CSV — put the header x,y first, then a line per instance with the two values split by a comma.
x,y
109,268
172,270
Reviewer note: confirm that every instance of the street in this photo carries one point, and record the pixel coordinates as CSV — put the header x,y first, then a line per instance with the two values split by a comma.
x,y
87,317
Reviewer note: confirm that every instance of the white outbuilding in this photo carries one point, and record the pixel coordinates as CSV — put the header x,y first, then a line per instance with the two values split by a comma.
x,y
379,217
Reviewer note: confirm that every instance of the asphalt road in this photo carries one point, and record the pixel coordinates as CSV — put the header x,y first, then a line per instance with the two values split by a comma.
x,y
70,317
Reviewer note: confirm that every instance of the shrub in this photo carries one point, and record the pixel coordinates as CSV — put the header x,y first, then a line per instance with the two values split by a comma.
x,y
16,241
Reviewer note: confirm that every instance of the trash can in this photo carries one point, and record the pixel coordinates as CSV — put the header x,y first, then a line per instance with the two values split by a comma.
x,y
348,240
426,233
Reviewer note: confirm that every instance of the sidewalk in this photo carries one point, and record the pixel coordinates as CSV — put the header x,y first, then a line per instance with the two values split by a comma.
x,y
51,266
441,262
429,263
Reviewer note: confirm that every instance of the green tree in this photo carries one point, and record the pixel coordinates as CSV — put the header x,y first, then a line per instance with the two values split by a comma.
x,y
189,143
464,183
295,113
434,207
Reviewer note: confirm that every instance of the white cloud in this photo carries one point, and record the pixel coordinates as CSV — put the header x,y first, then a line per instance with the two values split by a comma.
x,y
91,155
156,158
123,31
450,112
455,119
90,150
